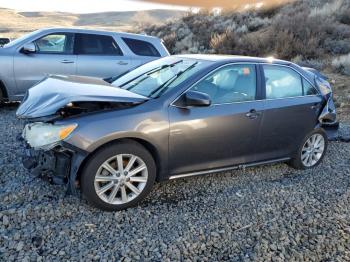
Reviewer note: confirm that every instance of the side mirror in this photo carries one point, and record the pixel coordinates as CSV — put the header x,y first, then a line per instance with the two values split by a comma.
x,y
194,98
28,48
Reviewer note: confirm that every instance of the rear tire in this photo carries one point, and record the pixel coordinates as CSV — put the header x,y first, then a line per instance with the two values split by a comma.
x,y
311,151
2,98
108,181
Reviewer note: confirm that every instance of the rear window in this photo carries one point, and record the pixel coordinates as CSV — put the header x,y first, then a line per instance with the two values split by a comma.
x,y
89,44
141,48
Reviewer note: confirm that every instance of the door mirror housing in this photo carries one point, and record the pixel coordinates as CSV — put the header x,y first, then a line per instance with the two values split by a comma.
x,y
28,48
198,99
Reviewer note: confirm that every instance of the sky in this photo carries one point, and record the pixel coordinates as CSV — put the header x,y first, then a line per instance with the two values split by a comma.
x,y
83,6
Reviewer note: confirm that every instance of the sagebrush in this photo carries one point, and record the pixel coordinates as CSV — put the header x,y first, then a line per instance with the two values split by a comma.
x,y
313,33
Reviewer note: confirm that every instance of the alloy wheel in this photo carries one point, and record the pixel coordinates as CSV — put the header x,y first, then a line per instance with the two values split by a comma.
x,y
120,179
313,150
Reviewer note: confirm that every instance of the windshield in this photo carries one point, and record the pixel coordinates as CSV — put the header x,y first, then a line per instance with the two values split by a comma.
x,y
158,77
20,39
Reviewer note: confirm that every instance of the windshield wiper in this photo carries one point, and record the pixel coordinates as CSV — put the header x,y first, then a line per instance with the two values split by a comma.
x,y
163,87
150,72
110,80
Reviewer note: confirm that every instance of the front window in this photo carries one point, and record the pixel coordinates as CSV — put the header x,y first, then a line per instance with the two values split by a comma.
x,y
229,84
55,43
158,77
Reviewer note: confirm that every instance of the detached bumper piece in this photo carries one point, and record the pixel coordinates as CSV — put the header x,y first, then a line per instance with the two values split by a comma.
x,y
331,130
53,166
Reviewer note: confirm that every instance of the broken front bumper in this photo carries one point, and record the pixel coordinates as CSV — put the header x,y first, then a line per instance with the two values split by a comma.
x,y
59,165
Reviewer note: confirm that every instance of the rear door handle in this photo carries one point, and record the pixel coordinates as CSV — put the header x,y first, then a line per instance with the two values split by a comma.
x,y
122,63
67,62
252,114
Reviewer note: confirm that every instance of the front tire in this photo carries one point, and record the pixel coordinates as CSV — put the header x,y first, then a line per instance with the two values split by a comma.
x,y
311,151
118,176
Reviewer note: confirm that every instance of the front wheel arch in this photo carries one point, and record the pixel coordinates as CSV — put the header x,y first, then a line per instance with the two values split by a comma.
x,y
147,145
133,194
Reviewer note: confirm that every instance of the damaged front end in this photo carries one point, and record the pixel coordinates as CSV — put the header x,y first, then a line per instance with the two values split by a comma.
x,y
55,161
328,116
49,110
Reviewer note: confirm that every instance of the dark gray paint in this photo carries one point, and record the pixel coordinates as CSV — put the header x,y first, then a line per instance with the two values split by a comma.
x,y
193,139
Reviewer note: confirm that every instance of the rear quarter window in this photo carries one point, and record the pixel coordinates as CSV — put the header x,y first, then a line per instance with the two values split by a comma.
x,y
141,48
308,88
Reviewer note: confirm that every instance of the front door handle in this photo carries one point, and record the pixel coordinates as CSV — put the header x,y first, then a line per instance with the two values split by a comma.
x,y
122,63
67,62
252,114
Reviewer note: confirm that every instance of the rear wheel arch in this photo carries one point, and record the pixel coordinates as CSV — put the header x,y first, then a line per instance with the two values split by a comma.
x,y
3,91
144,143
296,162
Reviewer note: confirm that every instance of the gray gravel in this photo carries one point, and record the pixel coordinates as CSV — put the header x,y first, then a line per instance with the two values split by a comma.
x,y
265,213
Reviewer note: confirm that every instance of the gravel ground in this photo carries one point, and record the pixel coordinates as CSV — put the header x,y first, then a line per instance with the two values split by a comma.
x,y
265,213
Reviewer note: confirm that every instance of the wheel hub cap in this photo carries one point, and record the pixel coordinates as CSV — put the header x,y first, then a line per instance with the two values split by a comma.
x,y
313,150
120,179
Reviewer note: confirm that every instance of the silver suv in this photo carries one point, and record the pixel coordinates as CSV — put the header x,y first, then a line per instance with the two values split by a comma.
x,y
62,51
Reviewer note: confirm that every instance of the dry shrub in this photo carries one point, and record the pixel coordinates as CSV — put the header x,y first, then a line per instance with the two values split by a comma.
x,y
255,44
342,64
293,37
225,42
312,30
170,41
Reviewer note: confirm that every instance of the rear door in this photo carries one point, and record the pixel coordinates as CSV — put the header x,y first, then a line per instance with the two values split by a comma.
x,y
223,134
100,56
54,55
291,110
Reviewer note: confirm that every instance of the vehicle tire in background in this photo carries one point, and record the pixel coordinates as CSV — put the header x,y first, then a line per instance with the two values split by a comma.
x,y
311,151
118,176
2,98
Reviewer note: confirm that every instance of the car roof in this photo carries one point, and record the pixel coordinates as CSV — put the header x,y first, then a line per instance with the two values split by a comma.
x,y
92,31
234,58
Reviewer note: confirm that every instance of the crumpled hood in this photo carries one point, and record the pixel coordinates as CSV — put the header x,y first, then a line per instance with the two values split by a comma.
x,y
55,92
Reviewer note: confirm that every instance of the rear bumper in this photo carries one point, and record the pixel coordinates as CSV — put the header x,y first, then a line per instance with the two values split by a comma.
x,y
331,130
59,165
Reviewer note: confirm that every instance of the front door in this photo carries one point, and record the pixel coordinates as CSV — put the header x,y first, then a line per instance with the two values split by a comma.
x,y
223,134
53,55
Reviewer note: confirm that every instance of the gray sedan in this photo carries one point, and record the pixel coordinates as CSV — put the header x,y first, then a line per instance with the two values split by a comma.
x,y
174,117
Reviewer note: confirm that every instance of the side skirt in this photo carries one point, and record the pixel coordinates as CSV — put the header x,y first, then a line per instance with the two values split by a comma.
x,y
205,172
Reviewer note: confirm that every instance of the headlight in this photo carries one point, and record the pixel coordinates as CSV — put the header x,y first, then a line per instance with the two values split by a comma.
x,y
46,136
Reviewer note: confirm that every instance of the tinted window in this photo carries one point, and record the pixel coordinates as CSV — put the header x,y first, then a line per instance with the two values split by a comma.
x,y
88,44
308,88
55,43
234,83
282,82
4,41
140,47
